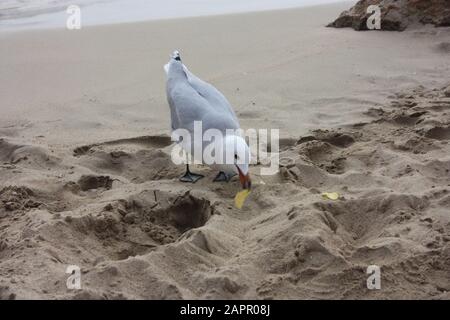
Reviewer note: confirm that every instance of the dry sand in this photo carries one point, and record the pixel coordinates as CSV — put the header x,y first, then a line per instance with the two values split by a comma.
x,y
86,177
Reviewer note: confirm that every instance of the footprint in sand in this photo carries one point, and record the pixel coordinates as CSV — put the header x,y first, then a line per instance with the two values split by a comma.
x,y
137,159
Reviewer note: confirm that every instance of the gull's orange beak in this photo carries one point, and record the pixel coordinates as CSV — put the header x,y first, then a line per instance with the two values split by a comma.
x,y
245,180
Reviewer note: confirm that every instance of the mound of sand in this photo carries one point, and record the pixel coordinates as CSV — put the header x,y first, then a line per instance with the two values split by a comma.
x,y
396,14
117,210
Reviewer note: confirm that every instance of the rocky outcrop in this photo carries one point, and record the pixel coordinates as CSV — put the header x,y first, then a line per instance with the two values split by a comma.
x,y
396,15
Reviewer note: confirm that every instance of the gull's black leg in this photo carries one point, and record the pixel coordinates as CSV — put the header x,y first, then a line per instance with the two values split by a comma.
x,y
190,177
222,176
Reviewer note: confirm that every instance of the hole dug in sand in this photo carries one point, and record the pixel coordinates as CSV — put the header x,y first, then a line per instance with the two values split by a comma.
x,y
139,224
88,182
14,198
188,212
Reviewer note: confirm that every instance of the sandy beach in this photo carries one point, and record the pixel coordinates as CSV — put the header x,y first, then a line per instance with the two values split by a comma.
x,y
86,177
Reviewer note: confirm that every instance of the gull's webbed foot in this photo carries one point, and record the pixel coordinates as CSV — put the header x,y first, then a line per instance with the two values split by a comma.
x,y
190,177
222,176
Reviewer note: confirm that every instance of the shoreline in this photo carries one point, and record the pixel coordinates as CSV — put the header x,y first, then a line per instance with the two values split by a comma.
x,y
56,19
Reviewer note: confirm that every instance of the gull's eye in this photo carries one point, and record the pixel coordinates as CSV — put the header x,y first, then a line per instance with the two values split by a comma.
x,y
235,157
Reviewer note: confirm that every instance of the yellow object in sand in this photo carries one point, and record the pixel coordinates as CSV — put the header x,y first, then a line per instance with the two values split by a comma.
x,y
331,195
240,198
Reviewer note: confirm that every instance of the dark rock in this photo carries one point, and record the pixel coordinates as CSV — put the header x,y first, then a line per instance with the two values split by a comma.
x,y
447,91
396,15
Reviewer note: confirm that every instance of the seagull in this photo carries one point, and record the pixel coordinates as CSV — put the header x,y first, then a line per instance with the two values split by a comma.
x,y
192,99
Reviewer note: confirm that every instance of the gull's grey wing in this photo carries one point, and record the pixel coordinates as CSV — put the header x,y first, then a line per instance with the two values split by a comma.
x,y
188,104
215,98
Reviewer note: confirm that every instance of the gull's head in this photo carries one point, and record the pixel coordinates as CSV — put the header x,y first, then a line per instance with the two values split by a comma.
x,y
174,56
238,157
